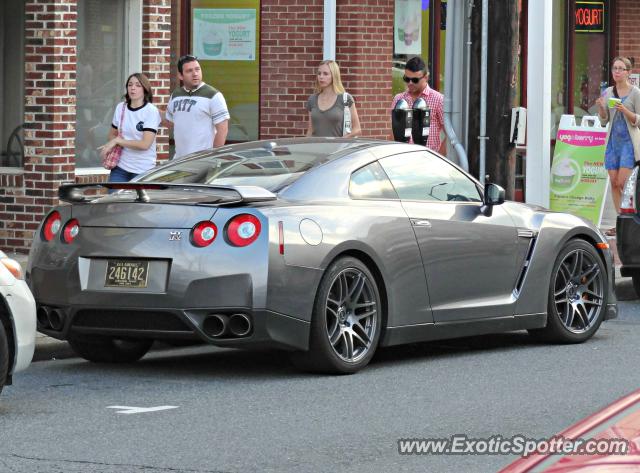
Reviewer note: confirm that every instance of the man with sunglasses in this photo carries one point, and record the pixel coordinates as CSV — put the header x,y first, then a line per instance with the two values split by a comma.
x,y
197,111
416,77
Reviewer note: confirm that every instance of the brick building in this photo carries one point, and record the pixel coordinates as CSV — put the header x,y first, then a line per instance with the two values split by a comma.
x,y
63,68
64,62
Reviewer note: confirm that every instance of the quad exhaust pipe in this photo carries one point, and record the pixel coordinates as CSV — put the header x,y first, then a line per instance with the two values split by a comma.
x,y
50,318
223,325
239,325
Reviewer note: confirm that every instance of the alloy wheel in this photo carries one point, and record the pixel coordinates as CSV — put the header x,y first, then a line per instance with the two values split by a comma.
x,y
579,286
351,315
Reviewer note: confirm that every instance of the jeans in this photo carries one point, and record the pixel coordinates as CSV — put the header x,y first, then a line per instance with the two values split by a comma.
x,y
120,175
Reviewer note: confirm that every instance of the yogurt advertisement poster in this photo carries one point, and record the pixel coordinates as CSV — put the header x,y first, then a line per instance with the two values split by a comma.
x,y
578,177
407,27
224,34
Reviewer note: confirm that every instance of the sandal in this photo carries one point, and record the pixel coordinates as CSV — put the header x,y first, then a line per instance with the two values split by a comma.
x,y
611,232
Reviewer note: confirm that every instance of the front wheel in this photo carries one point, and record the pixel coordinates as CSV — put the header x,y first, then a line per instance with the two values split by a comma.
x,y
110,350
577,295
4,356
346,322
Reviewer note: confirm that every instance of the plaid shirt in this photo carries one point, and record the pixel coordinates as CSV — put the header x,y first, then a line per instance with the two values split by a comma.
x,y
435,101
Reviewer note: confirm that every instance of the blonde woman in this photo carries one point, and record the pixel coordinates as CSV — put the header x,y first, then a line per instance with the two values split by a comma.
x,y
327,105
623,137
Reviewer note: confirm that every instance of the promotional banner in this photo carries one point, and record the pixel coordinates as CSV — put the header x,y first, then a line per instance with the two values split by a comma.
x,y
224,34
579,181
408,23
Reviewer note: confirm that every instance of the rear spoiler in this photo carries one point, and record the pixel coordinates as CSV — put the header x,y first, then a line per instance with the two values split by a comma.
x,y
200,193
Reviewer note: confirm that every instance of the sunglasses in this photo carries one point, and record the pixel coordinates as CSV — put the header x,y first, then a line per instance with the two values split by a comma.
x,y
187,58
415,80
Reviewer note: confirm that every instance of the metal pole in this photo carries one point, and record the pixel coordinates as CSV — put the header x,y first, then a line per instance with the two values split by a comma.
x,y
329,39
452,87
539,49
483,90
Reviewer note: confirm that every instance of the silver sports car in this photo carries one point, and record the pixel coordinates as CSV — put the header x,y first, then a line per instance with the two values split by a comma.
x,y
327,248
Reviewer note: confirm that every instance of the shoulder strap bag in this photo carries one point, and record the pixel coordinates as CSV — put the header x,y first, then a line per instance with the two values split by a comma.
x,y
346,124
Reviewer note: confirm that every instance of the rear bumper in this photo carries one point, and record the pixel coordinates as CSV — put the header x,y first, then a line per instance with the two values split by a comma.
x,y
268,328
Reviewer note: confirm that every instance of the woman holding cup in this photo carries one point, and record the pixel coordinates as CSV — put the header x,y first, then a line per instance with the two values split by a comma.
x,y
620,106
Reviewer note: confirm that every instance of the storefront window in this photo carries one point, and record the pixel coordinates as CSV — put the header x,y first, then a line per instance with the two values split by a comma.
x,y
100,75
558,65
11,83
225,37
590,61
426,20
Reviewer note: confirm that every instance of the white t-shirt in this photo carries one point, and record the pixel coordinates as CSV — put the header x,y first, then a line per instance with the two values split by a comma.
x,y
136,122
194,115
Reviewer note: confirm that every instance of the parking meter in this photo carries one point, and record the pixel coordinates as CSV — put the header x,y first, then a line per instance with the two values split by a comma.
x,y
421,122
401,119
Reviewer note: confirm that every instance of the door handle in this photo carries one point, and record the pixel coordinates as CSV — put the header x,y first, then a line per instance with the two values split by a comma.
x,y
420,222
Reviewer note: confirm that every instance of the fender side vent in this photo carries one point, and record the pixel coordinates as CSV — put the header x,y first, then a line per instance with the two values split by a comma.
x,y
525,266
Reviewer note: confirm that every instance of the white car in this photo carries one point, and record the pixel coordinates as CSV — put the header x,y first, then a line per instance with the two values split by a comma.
x,y
17,320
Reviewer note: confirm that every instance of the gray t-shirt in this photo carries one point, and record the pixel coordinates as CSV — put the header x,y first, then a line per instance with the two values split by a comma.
x,y
328,122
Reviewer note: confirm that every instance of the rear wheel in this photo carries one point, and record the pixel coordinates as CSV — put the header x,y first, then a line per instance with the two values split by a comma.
x,y
577,295
636,283
4,356
110,350
346,322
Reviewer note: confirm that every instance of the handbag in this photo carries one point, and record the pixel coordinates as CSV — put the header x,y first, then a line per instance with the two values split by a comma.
x,y
346,122
112,158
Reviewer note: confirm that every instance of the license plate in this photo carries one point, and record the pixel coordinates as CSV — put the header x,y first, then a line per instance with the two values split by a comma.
x,y
126,273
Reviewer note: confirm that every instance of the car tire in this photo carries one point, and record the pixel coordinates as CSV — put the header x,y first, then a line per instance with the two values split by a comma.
x,y
577,295
344,330
110,350
636,283
4,356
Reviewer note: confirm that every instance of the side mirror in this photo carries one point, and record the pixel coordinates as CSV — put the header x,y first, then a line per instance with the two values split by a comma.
x,y
493,195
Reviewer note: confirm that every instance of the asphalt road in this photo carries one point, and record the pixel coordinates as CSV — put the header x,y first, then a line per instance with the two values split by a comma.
x,y
239,411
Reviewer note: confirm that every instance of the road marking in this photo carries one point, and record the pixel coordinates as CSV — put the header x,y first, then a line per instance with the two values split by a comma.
x,y
139,410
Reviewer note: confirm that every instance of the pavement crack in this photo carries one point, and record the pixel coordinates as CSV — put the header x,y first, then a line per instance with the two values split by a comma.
x,y
121,466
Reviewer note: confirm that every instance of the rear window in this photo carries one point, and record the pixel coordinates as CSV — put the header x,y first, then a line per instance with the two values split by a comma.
x,y
270,167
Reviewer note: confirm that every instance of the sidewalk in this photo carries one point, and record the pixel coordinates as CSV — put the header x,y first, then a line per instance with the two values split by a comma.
x,y
48,348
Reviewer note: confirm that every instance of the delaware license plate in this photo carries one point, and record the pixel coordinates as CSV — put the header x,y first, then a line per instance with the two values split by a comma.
x,y
126,273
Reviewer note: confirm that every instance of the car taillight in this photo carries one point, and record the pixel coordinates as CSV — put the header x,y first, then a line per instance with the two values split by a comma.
x,y
70,230
628,201
51,226
243,230
203,234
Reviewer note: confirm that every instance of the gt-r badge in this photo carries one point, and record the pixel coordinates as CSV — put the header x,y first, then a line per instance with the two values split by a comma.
x,y
175,236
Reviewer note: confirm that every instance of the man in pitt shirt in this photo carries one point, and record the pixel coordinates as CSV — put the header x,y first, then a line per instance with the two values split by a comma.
x,y
197,111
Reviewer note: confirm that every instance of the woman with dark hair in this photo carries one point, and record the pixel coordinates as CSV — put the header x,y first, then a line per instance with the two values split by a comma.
x,y
620,106
134,127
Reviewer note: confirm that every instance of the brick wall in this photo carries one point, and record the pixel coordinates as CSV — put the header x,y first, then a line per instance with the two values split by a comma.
x,y
626,30
156,59
49,136
291,48
364,49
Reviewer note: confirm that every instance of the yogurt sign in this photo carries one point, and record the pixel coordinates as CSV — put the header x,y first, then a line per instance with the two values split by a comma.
x,y
578,177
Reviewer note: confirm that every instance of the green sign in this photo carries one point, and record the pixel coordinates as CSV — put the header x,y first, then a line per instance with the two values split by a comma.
x,y
578,177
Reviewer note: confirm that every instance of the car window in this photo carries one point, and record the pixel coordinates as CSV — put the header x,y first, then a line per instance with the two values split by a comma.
x,y
270,167
425,177
370,182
